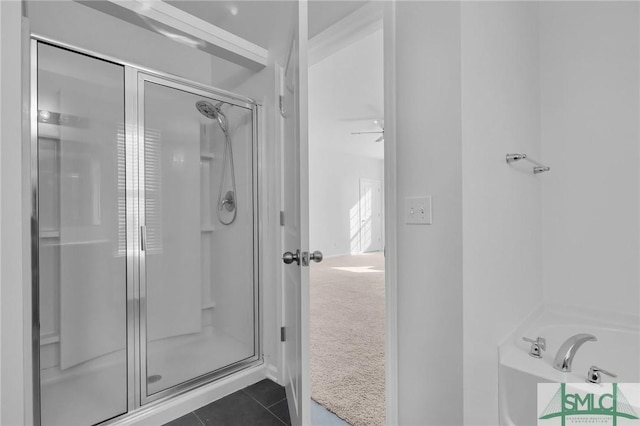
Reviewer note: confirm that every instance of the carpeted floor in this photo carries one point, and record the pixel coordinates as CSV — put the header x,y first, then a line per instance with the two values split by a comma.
x,y
347,337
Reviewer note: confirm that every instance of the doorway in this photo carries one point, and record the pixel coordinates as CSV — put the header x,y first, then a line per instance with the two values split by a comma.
x,y
346,199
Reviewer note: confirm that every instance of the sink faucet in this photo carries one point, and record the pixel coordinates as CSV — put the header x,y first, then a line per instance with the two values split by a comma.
x,y
568,350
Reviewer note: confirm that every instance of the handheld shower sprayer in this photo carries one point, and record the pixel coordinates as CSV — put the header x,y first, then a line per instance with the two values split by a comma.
x,y
213,112
227,202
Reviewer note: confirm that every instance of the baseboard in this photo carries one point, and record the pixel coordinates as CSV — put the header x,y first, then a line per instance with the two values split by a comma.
x,y
191,401
272,374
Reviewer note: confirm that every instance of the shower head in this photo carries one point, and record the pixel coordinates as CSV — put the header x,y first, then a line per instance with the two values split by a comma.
x,y
214,112
208,109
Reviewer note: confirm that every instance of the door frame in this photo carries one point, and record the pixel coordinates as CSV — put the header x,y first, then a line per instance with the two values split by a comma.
x,y
390,212
370,18
137,144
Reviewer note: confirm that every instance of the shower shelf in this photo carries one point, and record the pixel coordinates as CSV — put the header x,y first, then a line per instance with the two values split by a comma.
x,y
209,305
209,228
537,167
207,155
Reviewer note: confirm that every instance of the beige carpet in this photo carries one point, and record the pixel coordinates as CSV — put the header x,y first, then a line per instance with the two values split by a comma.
x,y
347,337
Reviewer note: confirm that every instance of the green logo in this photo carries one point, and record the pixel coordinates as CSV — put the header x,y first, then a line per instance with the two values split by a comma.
x,y
566,404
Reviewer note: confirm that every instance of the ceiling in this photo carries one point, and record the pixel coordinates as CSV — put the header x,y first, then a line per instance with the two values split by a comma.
x,y
254,19
346,94
324,13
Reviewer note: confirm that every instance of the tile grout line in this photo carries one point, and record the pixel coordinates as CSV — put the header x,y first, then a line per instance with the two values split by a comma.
x,y
277,402
274,415
198,417
277,418
266,408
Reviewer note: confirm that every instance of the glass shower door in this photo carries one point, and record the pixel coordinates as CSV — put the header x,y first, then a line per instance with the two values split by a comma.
x,y
198,290
82,238
147,236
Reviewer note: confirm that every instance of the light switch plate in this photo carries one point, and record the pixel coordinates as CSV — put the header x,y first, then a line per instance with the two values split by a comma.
x,y
418,210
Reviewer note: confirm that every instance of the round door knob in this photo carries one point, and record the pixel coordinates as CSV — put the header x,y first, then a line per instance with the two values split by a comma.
x,y
289,257
316,256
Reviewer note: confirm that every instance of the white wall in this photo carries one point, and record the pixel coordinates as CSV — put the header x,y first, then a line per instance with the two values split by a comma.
x,y
334,194
429,151
560,83
344,89
590,93
501,209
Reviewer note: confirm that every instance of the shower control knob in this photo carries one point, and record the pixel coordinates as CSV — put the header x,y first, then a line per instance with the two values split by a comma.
x,y
289,257
316,256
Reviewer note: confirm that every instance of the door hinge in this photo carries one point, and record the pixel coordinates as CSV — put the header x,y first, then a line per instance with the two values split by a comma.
x,y
281,218
143,238
281,102
283,334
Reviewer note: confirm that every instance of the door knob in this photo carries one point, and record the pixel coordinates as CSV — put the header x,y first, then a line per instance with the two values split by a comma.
x,y
289,257
316,256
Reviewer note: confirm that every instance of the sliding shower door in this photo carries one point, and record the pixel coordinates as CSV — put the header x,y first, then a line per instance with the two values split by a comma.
x,y
199,315
146,244
82,238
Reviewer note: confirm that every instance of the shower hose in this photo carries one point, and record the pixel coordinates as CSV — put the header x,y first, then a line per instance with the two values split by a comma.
x,y
223,201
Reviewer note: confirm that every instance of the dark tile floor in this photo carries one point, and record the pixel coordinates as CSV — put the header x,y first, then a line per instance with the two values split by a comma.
x,y
261,404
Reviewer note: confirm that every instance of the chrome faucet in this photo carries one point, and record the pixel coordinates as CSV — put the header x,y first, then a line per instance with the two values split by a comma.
x,y
568,350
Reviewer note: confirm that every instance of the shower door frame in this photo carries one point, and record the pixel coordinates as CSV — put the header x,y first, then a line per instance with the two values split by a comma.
x,y
134,76
143,76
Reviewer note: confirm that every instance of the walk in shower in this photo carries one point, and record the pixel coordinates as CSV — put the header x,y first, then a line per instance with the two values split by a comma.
x,y
145,235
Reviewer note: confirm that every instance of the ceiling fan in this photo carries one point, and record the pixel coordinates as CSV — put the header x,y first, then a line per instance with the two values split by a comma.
x,y
379,123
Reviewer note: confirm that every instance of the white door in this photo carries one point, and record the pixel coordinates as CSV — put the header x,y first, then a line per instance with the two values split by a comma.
x,y
370,215
295,230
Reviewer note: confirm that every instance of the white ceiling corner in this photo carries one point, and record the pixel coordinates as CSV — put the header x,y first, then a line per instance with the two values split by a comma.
x,y
362,22
185,26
